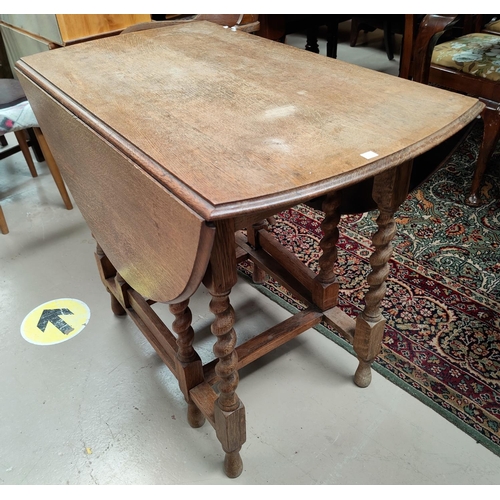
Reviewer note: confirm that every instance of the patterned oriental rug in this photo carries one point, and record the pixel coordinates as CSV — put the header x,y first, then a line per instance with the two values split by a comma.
x,y
442,338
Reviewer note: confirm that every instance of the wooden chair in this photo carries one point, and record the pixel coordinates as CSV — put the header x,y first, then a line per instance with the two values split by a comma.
x,y
481,23
11,94
465,64
389,23
16,116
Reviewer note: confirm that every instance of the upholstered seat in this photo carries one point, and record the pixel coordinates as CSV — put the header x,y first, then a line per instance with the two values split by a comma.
x,y
469,64
477,54
16,116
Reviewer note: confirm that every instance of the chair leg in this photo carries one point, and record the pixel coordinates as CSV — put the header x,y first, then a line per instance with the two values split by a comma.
x,y
23,144
354,31
491,134
35,147
312,36
388,40
54,169
356,27
332,37
4,229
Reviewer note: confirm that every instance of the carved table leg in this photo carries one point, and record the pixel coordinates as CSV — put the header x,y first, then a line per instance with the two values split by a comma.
x,y
189,369
120,300
106,271
229,412
491,133
325,291
258,275
370,323
389,190
116,307
4,229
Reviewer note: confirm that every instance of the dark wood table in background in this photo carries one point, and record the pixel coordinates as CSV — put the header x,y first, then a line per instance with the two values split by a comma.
x,y
174,140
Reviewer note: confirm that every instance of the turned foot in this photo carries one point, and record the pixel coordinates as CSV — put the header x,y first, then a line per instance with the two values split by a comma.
x,y
194,416
233,465
116,307
473,200
363,375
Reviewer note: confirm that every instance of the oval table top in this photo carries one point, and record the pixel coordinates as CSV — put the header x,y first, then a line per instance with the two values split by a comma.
x,y
231,123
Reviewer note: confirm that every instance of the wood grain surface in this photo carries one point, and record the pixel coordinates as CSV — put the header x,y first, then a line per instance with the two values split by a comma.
x,y
231,123
76,26
156,243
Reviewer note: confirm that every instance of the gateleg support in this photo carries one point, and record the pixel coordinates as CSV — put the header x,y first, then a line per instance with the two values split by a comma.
x,y
325,288
116,307
121,295
107,271
325,295
258,274
188,365
190,375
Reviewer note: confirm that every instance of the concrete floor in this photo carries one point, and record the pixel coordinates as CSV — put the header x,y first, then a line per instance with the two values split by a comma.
x,y
101,408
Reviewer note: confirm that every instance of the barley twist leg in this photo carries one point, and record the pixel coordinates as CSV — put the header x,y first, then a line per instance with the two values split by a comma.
x,y
229,411
106,271
325,288
389,190
329,241
189,364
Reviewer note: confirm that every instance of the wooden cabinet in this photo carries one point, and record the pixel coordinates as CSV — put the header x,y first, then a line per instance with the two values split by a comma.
x,y
27,34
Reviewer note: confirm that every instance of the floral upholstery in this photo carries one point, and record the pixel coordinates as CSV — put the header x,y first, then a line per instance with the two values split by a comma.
x,y
17,117
477,54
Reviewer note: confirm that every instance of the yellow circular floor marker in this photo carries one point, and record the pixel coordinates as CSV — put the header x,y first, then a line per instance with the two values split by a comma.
x,y
55,321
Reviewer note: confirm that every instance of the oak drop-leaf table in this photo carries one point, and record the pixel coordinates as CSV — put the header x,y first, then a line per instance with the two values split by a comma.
x,y
174,140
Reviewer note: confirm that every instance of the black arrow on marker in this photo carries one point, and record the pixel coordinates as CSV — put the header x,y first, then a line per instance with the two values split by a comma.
x,y
52,316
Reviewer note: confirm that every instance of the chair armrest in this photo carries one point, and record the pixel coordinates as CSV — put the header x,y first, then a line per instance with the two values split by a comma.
x,y
430,30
